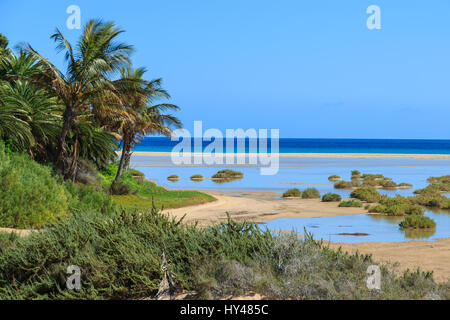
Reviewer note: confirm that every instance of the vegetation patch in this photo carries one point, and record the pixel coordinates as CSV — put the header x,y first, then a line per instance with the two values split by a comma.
x,y
417,222
292,193
227,175
173,177
334,178
31,196
227,259
197,177
329,197
310,193
368,194
350,203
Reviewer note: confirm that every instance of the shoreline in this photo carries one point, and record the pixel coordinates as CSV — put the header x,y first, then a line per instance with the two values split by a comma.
x,y
306,155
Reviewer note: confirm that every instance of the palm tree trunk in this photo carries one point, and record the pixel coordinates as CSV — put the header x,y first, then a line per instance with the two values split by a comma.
x,y
128,155
122,160
72,172
67,126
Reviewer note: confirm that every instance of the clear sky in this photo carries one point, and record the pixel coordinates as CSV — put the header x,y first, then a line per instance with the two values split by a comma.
x,y
309,68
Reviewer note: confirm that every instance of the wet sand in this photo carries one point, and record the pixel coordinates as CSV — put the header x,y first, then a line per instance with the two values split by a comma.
x,y
428,255
311,155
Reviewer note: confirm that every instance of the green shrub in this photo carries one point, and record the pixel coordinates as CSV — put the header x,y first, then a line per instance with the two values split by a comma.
x,y
122,187
415,210
173,177
405,185
350,203
310,193
368,194
83,198
292,193
136,173
388,184
430,199
356,173
334,178
347,184
120,258
228,174
30,195
417,222
197,177
397,206
329,197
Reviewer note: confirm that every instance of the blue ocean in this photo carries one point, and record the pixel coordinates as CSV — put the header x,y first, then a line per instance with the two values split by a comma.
x,y
296,145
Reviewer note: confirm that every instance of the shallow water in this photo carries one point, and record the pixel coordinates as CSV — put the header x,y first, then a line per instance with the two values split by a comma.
x,y
317,170
379,228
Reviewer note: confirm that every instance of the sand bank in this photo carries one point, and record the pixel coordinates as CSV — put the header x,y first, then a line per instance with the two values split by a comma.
x,y
258,207
313,155
428,255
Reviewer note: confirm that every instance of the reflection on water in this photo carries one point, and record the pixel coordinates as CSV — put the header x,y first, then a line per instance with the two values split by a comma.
x,y
419,234
378,227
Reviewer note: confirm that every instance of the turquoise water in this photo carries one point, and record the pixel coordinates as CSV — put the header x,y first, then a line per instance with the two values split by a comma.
x,y
378,228
317,170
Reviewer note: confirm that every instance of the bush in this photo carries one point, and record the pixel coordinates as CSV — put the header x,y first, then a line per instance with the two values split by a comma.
x,y
397,206
350,203
329,197
310,193
417,222
368,194
334,178
173,177
120,258
83,198
228,174
292,193
388,184
30,196
197,177
346,184
121,187
405,185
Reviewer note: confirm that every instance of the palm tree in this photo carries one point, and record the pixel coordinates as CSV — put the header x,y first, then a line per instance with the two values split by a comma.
x,y
30,116
138,96
85,85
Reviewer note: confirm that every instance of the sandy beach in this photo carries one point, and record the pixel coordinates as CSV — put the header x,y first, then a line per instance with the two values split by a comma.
x,y
310,155
263,206
258,207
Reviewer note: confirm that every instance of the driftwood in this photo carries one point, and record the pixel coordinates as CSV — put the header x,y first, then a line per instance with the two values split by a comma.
x,y
166,288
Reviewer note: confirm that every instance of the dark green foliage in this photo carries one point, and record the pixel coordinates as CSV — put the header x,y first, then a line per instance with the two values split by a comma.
x,y
417,222
294,192
328,197
350,203
368,194
173,177
310,193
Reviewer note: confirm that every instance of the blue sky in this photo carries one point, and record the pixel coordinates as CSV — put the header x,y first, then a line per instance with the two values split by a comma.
x,y
310,68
